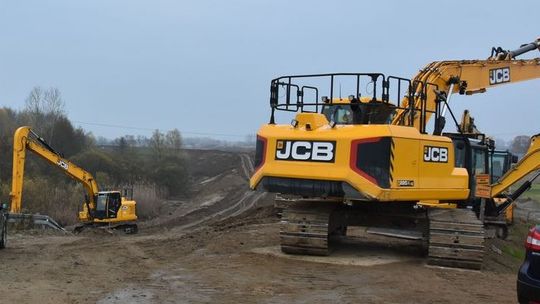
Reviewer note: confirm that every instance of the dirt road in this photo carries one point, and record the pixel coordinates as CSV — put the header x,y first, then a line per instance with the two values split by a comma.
x,y
220,246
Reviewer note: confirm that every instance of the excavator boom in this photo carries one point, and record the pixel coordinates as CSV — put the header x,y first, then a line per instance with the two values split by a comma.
x,y
530,162
25,139
467,77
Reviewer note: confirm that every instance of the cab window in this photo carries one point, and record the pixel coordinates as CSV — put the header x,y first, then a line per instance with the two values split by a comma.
x,y
479,161
101,204
340,114
497,166
459,152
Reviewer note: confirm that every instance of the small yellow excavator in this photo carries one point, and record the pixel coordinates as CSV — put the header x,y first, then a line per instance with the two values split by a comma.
x,y
108,209
371,160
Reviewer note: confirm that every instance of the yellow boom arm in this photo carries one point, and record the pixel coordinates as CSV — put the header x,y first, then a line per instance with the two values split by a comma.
x,y
529,163
25,139
468,77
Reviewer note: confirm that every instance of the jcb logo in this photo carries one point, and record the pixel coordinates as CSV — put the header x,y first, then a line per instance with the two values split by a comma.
x,y
63,164
318,151
435,154
497,76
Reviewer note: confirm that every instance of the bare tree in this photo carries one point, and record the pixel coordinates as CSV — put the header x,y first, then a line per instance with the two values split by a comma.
x,y
174,140
53,103
34,100
520,144
53,107
43,109
157,143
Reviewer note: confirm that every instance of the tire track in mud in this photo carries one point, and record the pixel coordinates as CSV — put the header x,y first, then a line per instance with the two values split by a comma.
x,y
219,197
247,165
248,201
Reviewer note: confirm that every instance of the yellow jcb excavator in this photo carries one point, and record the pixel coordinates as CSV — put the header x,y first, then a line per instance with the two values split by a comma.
x,y
102,208
364,160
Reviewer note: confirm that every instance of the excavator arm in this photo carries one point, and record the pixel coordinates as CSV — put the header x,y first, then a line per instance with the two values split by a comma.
x,y
443,78
530,162
25,139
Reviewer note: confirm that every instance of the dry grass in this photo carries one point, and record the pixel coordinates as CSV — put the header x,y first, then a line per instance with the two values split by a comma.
x,y
61,202
148,198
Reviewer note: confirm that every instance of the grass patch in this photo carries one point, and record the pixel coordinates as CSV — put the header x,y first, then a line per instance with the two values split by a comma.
x,y
516,252
534,192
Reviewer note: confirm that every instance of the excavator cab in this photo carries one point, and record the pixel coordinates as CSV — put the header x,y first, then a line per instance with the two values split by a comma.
x,y
500,163
477,154
471,153
107,204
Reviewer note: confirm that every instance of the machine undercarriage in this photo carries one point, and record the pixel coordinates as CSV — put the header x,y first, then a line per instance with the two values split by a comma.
x,y
451,237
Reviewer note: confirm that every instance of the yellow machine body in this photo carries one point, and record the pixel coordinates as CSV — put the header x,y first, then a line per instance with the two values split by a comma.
x,y
408,164
99,207
409,177
126,213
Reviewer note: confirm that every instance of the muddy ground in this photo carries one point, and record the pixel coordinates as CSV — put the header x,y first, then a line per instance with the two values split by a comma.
x,y
220,245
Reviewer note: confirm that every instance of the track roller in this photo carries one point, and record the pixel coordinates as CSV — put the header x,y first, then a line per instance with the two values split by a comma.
x,y
306,226
456,238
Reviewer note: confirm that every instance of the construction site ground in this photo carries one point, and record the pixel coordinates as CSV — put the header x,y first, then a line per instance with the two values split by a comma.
x,y
221,245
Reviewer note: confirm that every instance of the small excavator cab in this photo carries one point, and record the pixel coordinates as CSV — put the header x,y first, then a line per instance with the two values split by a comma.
x,y
500,163
107,204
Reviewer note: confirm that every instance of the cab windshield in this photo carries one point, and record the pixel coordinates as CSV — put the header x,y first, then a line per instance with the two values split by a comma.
x,y
498,161
359,113
101,204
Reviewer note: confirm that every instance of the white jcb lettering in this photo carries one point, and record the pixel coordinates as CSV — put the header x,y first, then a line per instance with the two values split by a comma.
x,y
323,151
301,150
285,152
435,154
444,155
499,75
63,164
320,151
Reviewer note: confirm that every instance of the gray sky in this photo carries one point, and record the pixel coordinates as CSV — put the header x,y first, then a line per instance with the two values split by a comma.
x,y
205,66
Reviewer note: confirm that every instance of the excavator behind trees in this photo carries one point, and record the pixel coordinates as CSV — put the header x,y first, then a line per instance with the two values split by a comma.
x,y
369,159
107,209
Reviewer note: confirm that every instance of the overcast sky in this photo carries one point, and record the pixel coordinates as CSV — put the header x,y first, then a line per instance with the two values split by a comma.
x,y
205,66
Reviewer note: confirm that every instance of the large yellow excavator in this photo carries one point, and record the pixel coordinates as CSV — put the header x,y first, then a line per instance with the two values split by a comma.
x,y
101,208
363,160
